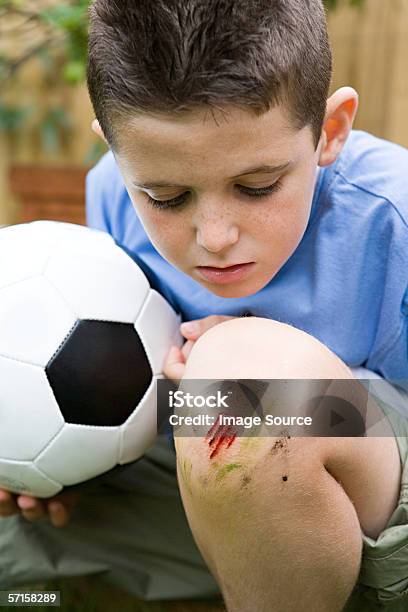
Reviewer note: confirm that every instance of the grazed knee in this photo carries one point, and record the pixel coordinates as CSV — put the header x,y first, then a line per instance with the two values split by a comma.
x,y
294,467
238,475
249,348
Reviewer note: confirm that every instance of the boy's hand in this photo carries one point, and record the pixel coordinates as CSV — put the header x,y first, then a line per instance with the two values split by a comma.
x,y
176,359
58,508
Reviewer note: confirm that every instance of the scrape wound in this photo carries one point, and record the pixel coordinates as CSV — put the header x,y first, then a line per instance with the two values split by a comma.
x,y
281,443
219,436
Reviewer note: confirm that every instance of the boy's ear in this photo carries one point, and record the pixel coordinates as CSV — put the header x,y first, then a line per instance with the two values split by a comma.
x,y
98,130
341,110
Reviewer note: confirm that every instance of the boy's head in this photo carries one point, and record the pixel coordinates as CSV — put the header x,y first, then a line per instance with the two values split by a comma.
x,y
200,96
167,56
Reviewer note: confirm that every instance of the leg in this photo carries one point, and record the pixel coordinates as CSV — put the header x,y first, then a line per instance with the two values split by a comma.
x,y
275,544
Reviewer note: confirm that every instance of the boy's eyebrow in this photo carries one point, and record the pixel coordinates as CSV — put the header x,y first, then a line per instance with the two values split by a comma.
x,y
264,169
256,170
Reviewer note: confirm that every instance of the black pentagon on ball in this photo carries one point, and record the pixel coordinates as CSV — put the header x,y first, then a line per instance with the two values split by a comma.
x,y
100,373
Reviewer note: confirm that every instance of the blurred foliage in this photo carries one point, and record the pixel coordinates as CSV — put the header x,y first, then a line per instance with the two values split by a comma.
x,y
54,33
61,29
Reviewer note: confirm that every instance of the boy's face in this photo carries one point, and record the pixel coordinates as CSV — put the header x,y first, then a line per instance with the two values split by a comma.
x,y
212,167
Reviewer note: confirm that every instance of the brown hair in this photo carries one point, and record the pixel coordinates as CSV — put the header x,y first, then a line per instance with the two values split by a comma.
x,y
169,56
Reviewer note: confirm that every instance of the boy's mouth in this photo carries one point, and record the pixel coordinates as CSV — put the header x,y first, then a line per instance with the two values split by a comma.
x,y
225,274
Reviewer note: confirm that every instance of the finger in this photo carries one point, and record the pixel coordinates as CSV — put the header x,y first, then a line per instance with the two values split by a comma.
x,y
8,504
211,321
186,349
190,329
31,508
194,329
175,364
59,513
69,498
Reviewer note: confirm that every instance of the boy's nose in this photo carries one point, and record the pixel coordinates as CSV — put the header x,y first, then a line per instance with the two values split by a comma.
x,y
216,235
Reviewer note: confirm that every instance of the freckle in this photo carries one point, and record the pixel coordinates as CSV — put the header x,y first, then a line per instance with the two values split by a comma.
x,y
284,478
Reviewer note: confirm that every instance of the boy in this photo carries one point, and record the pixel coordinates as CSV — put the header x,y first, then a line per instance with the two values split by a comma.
x,y
252,195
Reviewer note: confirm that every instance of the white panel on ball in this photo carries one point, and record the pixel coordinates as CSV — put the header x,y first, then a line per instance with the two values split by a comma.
x,y
19,260
29,413
140,430
69,231
91,451
24,478
97,277
34,320
158,327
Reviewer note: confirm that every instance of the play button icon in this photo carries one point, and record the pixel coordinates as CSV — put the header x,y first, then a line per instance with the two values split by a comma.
x,y
334,417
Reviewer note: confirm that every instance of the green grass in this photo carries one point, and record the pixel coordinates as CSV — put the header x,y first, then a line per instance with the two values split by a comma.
x,y
91,595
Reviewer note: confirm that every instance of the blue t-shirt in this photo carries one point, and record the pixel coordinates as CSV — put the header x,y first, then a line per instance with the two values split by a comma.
x,y
347,281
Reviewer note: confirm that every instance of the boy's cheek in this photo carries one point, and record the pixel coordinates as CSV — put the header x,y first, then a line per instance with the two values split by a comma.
x,y
166,237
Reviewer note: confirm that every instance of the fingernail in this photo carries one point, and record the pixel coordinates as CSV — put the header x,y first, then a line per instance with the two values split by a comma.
x,y
3,496
189,328
26,504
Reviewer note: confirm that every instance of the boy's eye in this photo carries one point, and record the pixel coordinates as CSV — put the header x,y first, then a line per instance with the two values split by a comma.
x,y
173,203
252,192
259,192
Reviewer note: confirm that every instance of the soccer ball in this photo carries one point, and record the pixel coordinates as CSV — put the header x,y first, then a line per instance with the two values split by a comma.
x,y
83,338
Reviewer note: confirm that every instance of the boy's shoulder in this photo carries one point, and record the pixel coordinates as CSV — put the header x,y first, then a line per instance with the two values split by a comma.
x,y
107,200
106,172
376,167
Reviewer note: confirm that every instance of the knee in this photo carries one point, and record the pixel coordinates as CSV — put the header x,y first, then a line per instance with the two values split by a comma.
x,y
245,348
264,349
251,466
270,504
254,347
277,484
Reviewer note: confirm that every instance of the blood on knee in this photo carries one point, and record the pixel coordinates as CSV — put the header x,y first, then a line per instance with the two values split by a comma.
x,y
220,436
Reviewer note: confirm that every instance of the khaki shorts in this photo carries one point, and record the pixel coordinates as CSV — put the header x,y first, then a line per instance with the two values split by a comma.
x,y
131,530
383,579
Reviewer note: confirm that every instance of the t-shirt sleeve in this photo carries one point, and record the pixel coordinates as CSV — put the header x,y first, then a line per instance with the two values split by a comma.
x,y
100,193
389,353
375,189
